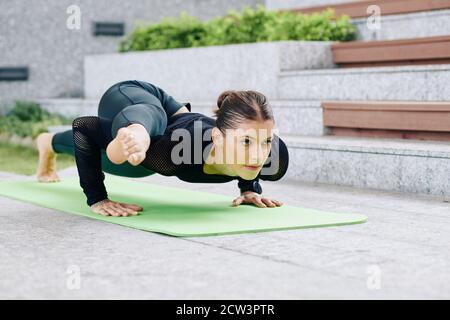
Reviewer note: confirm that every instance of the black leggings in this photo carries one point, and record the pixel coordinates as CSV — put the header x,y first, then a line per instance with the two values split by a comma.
x,y
125,103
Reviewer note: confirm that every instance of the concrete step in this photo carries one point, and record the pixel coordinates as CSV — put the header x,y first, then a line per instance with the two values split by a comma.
x,y
402,26
419,83
69,107
411,166
399,18
292,117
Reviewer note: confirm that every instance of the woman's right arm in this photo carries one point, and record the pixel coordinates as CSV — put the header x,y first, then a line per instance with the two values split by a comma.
x,y
90,137
88,140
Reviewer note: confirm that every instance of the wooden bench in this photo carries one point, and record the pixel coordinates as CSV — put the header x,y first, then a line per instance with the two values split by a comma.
x,y
388,119
358,9
428,50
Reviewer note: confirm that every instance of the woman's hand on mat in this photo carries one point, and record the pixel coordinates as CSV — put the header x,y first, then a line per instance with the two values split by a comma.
x,y
116,209
250,197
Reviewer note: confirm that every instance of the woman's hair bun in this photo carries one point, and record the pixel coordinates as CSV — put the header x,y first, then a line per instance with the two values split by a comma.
x,y
237,106
222,97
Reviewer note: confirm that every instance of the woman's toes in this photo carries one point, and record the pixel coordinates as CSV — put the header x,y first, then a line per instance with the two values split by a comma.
x,y
136,158
122,133
133,159
134,148
129,137
48,177
131,145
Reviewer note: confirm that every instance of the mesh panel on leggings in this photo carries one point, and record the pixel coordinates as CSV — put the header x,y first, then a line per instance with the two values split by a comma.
x,y
158,157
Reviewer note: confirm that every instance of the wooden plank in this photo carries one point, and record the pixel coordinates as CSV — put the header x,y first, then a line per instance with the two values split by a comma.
x,y
387,115
358,9
390,134
396,105
394,63
393,120
428,50
439,49
368,44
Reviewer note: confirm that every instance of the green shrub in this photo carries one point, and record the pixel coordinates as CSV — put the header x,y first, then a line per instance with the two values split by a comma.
x,y
313,27
169,33
245,27
249,25
28,111
28,119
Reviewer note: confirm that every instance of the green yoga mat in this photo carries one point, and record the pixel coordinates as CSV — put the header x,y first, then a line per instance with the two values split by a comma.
x,y
174,211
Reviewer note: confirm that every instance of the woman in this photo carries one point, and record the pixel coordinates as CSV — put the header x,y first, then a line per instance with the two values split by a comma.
x,y
135,135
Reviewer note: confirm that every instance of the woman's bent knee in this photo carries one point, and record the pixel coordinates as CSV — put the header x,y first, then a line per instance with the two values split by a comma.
x,y
153,118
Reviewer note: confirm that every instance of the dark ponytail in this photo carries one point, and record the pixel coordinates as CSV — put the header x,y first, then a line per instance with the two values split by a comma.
x,y
234,107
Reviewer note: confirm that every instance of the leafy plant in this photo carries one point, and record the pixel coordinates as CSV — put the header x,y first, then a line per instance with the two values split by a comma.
x,y
28,111
28,119
249,25
169,33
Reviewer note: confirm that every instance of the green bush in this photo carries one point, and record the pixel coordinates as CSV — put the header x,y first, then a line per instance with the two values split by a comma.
x,y
313,27
28,119
244,27
28,111
185,32
249,25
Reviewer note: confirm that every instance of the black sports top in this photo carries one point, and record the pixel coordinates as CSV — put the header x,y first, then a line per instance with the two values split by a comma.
x,y
91,134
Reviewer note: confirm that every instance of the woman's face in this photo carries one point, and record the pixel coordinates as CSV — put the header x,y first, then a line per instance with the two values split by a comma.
x,y
246,148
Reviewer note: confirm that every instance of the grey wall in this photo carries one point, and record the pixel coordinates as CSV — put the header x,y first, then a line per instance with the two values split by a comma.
x,y
290,4
34,34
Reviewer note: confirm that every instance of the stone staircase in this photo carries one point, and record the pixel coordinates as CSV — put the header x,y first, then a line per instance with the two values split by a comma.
x,y
404,165
419,83
401,19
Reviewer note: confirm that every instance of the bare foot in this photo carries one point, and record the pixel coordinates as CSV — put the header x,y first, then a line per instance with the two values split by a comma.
x,y
46,170
131,143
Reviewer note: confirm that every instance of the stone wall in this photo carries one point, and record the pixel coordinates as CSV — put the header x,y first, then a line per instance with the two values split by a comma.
x,y
290,4
35,34
201,74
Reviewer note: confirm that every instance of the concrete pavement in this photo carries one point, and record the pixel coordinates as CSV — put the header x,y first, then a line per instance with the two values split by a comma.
x,y
402,252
